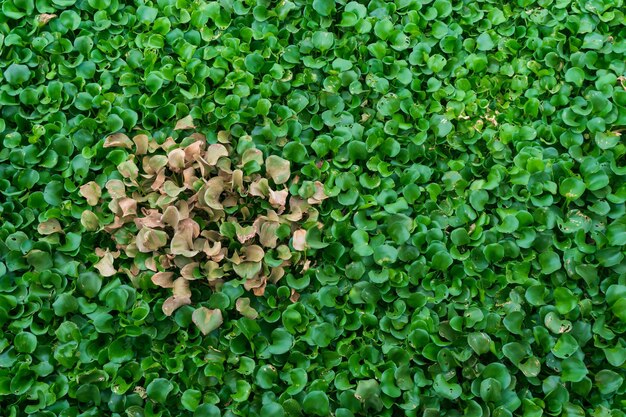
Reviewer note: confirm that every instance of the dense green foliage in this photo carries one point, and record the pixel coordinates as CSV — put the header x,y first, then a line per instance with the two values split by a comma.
x,y
472,256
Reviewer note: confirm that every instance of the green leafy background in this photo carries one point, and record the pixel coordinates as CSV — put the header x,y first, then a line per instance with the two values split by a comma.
x,y
472,257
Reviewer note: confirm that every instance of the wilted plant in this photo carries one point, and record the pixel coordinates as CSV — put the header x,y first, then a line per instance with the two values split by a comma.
x,y
203,212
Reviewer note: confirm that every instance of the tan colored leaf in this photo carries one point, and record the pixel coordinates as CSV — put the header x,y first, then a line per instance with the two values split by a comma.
x,y
92,192
259,188
267,234
207,320
181,288
278,199
299,240
151,220
150,264
128,206
243,307
105,265
237,181
319,195
215,152
159,180
185,123
294,296
155,163
223,136
212,250
149,240
212,191
189,271
89,220
176,160
173,303
252,253
171,217
244,233
247,270
116,188
182,242
49,227
170,188
118,140
129,170
276,274
257,285
141,144
45,18
278,169
193,151
163,279
252,154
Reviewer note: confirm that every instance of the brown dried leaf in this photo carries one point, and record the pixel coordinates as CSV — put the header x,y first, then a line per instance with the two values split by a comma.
x,y
185,123
171,217
176,160
151,220
259,188
243,307
173,303
182,242
141,144
49,227
118,140
155,164
276,274
257,285
193,152
267,234
128,207
45,18
299,240
116,188
92,192
215,152
278,169
188,270
128,169
237,182
244,233
212,191
319,195
89,221
149,240
252,253
163,279
252,154
105,265
278,199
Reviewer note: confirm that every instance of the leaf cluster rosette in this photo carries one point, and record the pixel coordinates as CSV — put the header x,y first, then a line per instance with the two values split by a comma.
x,y
192,211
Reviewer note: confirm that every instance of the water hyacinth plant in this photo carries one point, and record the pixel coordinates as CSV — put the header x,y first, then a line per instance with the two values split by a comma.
x,y
312,208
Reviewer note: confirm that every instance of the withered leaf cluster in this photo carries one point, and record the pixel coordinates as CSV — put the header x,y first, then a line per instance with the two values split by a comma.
x,y
203,212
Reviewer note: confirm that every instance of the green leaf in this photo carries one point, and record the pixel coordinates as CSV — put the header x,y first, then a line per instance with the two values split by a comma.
x,y
159,389
16,74
550,262
316,403
608,381
445,389
324,7
190,399
572,188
